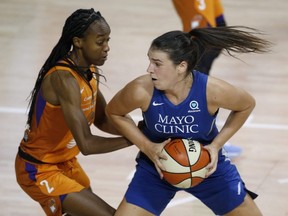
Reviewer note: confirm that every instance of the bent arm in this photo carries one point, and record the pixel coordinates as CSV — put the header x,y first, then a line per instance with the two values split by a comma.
x,y
130,98
101,120
223,95
68,94
135,95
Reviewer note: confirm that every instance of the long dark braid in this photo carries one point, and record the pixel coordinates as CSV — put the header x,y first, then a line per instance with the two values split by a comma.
x,y
190,46
75,26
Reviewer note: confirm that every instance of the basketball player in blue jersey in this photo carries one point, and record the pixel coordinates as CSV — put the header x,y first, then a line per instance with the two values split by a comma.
x,y
178,101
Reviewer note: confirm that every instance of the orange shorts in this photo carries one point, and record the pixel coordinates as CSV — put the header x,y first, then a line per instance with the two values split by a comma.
x,y
49,184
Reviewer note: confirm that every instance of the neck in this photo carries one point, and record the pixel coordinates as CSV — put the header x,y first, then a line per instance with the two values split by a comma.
x,y
76,60
181,90
85,70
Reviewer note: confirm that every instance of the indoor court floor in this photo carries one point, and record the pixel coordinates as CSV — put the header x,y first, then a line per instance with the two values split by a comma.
x,y
29,29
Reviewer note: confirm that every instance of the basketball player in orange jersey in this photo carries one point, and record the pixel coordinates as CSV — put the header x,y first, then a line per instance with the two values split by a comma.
x,y
204,14
65,101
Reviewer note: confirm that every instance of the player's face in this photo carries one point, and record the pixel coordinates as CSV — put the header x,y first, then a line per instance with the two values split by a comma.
x,y
95,43
162,70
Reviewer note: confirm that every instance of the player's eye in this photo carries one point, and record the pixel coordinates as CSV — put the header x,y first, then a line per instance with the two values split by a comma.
x,y
100,43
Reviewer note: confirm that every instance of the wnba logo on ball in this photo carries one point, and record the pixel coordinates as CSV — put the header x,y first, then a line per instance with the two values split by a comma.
x,y
194,106
192,147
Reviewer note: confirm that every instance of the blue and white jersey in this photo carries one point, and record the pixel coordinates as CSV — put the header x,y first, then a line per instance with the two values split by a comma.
x,y
222,191
189,119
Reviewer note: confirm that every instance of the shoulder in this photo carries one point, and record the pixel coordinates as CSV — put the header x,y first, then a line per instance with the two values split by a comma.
x,y
222,94
142,83
144,80
215,88
61,77
137,93
59,82
218,86
214,92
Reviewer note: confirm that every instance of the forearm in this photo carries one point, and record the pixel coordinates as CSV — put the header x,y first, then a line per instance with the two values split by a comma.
x,y
108,127
233,123
99,145
129,129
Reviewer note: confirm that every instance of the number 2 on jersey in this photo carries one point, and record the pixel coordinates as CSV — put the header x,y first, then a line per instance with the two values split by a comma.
x,y
45,182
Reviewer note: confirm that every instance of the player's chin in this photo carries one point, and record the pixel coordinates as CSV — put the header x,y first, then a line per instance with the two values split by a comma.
x,y
159,87
100,62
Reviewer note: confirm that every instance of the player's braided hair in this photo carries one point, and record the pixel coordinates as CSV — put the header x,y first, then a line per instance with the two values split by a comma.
x,y
75,26
190,47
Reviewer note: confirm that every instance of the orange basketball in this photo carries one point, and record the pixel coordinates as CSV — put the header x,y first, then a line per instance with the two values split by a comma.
x,y
185,166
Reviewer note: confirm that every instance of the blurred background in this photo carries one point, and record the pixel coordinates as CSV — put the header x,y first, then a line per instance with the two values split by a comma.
x,y
29,29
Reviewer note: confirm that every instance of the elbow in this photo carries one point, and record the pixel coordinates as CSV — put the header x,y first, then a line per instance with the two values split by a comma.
x,y
252,103
83,147
84,151
249,106
108,111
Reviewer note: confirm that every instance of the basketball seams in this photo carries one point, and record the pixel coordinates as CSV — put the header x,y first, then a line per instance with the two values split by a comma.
x,y
189,160
195,179
171,156
195,166
180,153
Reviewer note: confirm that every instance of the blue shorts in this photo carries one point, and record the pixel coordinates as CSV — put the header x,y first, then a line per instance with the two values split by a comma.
x,y
223,191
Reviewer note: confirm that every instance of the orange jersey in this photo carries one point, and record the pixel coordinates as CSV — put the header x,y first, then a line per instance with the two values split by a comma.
x,y
49,139
188,10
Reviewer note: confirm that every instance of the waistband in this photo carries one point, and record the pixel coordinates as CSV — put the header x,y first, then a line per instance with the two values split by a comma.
x,y
28,157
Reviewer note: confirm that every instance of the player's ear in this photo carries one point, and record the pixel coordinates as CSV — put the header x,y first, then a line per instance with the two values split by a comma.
x,y
182,67
77,42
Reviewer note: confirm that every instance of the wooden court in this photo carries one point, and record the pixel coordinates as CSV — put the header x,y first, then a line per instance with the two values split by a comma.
x,y
29,29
